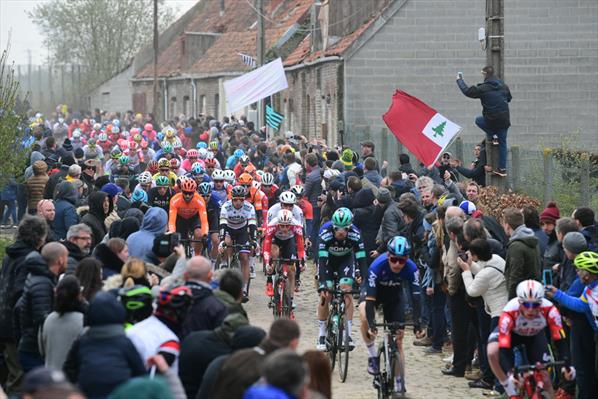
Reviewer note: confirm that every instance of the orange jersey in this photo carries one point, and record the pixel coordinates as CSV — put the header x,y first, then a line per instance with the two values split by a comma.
x,y
186,210
307,208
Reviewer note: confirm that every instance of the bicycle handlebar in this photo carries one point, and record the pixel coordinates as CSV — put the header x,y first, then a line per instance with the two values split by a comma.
x,y
539,366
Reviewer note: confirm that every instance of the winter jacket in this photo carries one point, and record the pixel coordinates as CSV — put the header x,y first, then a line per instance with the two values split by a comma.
x,y
35,302
554,254
9,192
57,337
35,156
237,316
374,177
451,269
265,391
542,240
75,256
489,283
495,97
477,173
103,357
66,214
55,180
207,311
36,184
392,225
591,235
111,263
313,186
141,242
12,281
523,259
95,217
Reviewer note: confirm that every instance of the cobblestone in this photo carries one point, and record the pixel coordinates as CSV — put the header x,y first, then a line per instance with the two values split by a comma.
x,y
424,379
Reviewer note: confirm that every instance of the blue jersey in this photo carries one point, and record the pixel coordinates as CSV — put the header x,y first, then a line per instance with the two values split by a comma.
x,y
380,275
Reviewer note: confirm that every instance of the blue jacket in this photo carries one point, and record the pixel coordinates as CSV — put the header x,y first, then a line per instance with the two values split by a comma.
x,y
266,392
66,214
374,177
581,304
141,242
9,192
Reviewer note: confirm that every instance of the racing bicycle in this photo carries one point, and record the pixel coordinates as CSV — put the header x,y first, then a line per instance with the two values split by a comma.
x,y
389,360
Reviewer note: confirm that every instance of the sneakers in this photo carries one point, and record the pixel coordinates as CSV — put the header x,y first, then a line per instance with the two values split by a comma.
x,y
350,343
495,140
321,345
433,351
245,298
423,342
270,289
252,272
297,285
373,366
473,375
500,172
399,387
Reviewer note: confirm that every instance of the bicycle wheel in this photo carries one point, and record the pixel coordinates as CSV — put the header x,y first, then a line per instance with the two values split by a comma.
x,y
399,365
331,341
276,305
343,349
382,375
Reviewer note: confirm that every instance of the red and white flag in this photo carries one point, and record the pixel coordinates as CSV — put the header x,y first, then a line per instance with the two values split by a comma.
x,y
421,129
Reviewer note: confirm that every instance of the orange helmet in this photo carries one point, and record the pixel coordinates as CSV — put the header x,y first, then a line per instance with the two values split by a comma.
x,y
245,179
188,185
250,169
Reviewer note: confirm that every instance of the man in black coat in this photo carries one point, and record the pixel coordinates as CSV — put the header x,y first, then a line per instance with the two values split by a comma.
x,y
207,311
31,235
37,299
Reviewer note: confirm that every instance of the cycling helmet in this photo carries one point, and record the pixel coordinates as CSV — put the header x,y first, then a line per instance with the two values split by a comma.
x,y
148,127
134,131
244,159
137,138
116,130
115,153
137,301
342,218
209,155
152,166
587,261
167,148
169,132
124,160
213,145
145,178
162,181
245,179
201,144
76,133
260,173
238,153
192,153
229,176
197,169
210,163
288,198
144,144
268,179
238,192
115,122
250,169
175,163
188,185
297,190
530,291
285,216
398,246
123,144
217,175
205,189
102,137
97,126
139,195
173,303
202,153
160,136
163,163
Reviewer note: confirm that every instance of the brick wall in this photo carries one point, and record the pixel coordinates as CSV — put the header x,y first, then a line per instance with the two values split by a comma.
x,y
551,66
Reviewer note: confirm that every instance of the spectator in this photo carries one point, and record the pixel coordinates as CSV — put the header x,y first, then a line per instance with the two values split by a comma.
x,y
405,164
574,243
36,301
312,190
89,274
74,172
241,370
556,254
46,210
33,158
495,121
30,237
45,383
371,174
285,374
113,191
532,221
392,221
124,228
367,149
154,223
367,216
132,273
99,207
64,324
58,176
103,357
474,228
35,186
472,192
8,203
586,220
320,378
78,243
523,254
112,255
230,292
88,171
476,171
207,311
66,214
548,219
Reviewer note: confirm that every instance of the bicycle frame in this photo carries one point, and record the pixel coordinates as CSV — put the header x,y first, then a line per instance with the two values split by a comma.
x,y
533,378
280,302
385,380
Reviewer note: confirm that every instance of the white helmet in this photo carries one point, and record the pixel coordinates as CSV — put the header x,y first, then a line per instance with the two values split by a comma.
x,y
217,174
285,216
268,179
288,198
97,126
229,176
209,155
102,137
145,178
530,291
297,190
76,133
202,153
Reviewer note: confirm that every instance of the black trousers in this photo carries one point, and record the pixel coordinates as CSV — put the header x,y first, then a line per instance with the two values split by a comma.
x,y
462,315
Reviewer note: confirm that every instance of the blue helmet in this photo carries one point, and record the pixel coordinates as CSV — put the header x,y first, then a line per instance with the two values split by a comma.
x,y
238,153
197,169
205,189
201,144
139,195
398,246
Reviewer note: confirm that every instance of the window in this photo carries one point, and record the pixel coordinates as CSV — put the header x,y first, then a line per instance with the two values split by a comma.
x,y
202,104
186,106
216,106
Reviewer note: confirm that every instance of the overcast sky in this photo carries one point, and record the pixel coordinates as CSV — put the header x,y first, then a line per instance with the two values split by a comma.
x,y
24,36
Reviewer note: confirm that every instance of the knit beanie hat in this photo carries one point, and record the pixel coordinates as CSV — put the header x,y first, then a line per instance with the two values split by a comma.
x,y
575,242
347,158
550,213
67,144
384,195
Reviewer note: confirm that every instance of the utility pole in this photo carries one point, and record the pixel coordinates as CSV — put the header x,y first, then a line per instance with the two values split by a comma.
x,y
29,71
155,86
259,5
495,50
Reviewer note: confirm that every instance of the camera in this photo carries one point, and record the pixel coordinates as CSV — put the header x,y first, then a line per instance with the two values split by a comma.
x,y
164,244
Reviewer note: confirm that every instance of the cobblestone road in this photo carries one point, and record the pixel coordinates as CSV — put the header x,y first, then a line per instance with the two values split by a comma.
x,y
424,379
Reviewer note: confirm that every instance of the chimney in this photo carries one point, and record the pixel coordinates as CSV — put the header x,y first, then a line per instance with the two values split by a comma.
x,y
221,7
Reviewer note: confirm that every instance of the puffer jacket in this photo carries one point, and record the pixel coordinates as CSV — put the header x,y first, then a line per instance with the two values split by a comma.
x,y
95,217
523,259
392,225
12,281
489,283
66,214
35,302
36,184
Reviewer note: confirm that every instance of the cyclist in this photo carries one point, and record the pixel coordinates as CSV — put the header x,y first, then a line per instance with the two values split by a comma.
x,y
308,213
145,181
164,170
213,210
191,158
255,197
283,239
220,188
188,213
287,200
522,322
198,173
269,188
383,288
161,194
340,244
211,165
238,226
242,164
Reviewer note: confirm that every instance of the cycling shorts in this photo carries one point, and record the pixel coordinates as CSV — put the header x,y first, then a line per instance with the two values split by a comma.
x,y
344,266
536,349
239,237
186,226
287,249
391,301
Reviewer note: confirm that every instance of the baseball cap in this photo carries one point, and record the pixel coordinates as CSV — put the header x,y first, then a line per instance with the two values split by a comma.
x,y
111,189
368,143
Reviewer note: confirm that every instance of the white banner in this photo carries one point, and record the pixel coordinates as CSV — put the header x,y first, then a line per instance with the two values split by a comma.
x,y
255,85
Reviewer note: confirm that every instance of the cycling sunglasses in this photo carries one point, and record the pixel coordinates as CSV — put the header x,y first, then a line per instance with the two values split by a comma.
x,y
165,170
188,193
531,305
236,199
341,229
397,259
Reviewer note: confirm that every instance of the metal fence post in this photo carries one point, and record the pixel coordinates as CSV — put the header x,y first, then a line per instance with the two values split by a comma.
x,y
385,150
548,175
584,195
515,166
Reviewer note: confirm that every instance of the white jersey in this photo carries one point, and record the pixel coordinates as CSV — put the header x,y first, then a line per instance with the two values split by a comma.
x,y
151,336
237,218
288,234
297,213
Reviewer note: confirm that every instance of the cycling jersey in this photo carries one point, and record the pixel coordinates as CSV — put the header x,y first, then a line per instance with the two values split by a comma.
x,y
220,195
162,201
187,210
236,219
297,213
213,209
381,276
171,177
272,193
339,255
273,232
239,169
256,198
512,321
